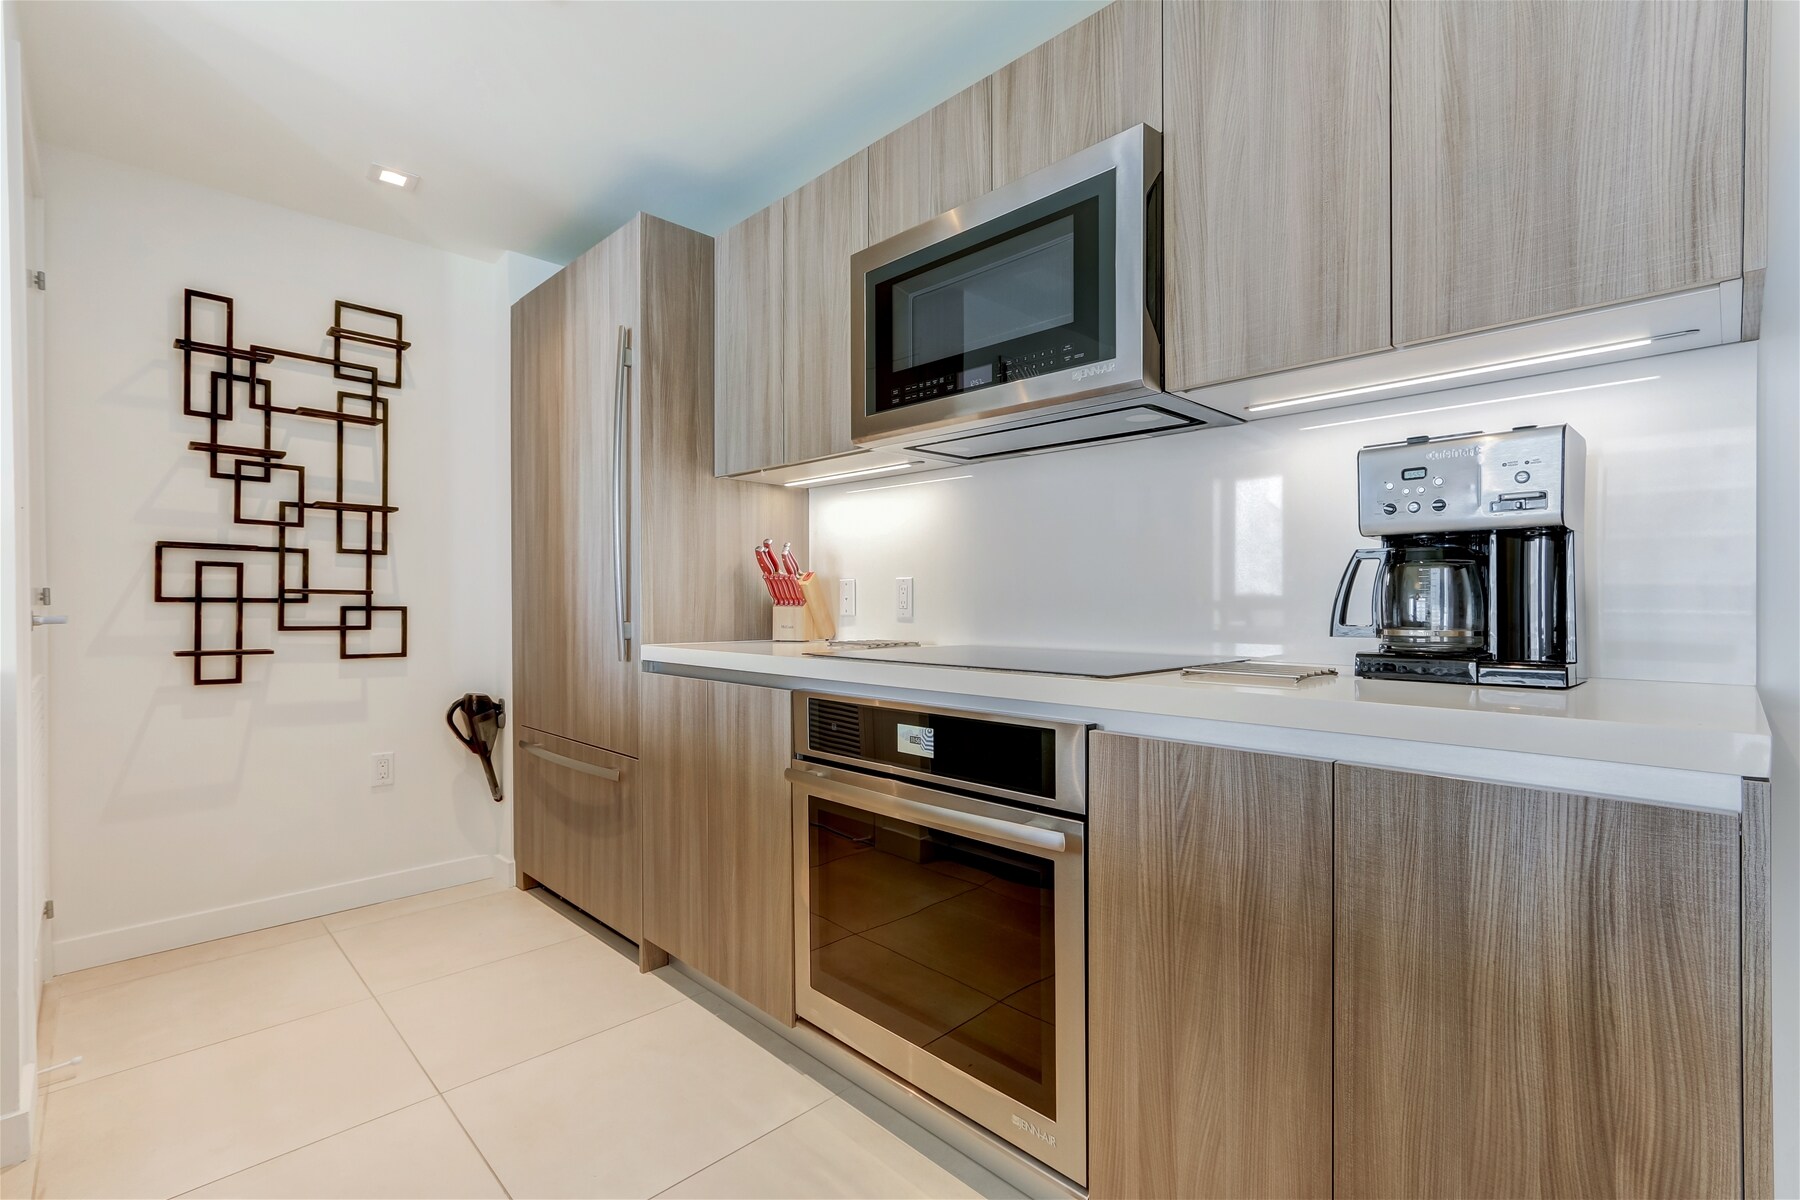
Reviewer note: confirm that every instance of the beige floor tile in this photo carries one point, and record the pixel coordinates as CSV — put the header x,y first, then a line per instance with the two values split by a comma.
x,y
185,956
475,1022
839,1152
16,1180
632,1110
173,1125
418,1153
350,918
129,1024
402,951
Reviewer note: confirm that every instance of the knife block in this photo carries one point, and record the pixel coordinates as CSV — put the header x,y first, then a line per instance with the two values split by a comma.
x,y
811,622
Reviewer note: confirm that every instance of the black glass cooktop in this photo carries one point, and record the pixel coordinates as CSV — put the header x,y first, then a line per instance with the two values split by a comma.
x,y
1088,664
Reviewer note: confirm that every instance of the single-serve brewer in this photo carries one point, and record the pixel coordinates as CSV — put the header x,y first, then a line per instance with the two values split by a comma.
x,y
1478,575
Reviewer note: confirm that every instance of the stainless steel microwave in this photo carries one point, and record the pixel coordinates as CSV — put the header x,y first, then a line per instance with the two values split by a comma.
x,y
1027,320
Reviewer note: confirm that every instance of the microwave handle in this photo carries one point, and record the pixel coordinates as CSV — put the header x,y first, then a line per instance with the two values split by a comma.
x,y
1008,833
1339,609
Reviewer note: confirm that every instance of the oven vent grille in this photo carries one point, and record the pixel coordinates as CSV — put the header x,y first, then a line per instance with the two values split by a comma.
x,y
833,727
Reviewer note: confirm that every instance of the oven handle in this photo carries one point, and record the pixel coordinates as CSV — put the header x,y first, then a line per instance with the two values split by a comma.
x,y
1010,833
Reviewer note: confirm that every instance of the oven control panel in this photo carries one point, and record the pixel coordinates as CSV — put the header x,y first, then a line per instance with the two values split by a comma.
x,y
1526,477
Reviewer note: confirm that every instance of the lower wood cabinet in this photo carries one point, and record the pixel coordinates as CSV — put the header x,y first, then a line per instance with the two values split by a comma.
x,y
1537,994
1209,971
718,834
577,827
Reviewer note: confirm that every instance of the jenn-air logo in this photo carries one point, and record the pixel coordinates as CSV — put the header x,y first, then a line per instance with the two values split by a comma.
x,y
1049,1139
1080,373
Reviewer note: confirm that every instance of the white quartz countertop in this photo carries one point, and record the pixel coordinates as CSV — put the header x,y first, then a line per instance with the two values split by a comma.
x,y
1678,743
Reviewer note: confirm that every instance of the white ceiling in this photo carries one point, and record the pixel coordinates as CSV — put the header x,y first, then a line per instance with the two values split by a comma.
x,y
534,126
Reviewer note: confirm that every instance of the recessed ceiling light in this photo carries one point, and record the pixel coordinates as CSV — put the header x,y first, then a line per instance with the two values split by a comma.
x,y
393,178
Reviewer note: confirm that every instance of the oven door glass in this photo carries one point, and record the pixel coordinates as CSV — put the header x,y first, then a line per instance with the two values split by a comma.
x,y
942,939
1018,296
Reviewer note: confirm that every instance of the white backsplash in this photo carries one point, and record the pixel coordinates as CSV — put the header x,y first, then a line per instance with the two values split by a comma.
x,y
1233,540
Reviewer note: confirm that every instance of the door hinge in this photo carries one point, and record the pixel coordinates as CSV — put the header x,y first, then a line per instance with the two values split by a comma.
x,y
627,356
49,910
43,597
36,279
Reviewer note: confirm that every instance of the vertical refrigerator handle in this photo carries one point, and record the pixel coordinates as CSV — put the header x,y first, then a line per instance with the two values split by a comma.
x,y
622,495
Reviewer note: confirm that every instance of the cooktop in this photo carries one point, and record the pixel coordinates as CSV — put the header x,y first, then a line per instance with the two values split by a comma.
x,y
1088,664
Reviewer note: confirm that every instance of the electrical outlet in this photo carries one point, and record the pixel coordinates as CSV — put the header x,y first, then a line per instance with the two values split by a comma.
x,y
381,769
903,598
846,597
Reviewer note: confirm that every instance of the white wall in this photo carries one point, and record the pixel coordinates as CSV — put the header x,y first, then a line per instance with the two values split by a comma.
x,y
184,813
1234,539
1778,574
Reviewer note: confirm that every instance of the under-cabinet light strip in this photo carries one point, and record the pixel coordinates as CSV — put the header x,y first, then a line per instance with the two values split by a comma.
x,y
835,476
1419,412
912,483
1466,372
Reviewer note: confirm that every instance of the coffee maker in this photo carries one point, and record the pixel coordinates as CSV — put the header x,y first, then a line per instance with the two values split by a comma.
x,y
1478,575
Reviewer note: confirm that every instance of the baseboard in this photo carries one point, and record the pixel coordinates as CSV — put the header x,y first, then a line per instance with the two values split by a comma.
x,y
506,870
15,1135
112,945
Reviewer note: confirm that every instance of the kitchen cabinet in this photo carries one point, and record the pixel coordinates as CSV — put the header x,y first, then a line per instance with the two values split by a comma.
x,y
1209,975
1549,157
1275,160
719,868
827,220
1089,82
1537,994
580,831
617,541
933,163
783,335
749,399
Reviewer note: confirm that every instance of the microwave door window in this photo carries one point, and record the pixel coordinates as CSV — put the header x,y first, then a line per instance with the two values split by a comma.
x,y
942,939
1012,289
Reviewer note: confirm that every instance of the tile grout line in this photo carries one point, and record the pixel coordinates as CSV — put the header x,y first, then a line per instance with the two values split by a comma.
x,y
759,1137
307,1145
436,1090
552,1050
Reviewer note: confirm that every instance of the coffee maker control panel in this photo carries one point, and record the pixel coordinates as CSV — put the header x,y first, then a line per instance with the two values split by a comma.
x,y
1523,478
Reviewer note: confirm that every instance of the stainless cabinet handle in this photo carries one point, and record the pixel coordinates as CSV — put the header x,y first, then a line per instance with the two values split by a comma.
x,y
993,829
563,760
621,493
37,620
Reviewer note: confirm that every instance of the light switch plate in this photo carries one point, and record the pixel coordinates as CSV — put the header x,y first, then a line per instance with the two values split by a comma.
x,y
846,597
903,598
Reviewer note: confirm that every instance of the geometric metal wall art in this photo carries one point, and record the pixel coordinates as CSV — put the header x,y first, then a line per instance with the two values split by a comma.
x,y
232,388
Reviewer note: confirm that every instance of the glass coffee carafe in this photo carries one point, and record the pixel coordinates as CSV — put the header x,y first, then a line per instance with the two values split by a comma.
x,y
1429,595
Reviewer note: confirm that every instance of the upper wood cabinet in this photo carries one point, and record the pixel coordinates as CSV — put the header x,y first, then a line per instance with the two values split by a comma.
x,y
782,369
1275,159
571,679
1089,82
1552,156
933,163
1537,994
749,320
827,221
719,833
1209,975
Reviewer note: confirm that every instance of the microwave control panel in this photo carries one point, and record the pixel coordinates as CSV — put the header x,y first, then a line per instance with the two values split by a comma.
x,y
1001,369
1524,478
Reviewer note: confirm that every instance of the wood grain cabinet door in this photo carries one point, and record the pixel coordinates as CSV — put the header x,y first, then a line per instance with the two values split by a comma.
x,y
1275,161
1089,82
577,825
718,835
932,163
569,676
1537,994
1209,971
749,400
1552,156
826,222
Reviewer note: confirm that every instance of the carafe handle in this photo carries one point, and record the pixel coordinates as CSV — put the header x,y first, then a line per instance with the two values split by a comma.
x,y
1339,610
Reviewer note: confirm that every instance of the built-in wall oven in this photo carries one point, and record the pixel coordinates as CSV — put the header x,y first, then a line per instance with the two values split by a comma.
x,y
1029,319
941,914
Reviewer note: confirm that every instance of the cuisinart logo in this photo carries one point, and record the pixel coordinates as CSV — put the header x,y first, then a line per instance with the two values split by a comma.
x,y
1089,372
1455,452
1049,1139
